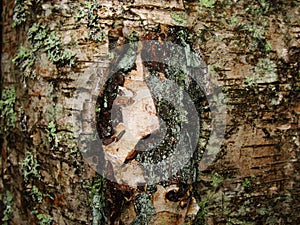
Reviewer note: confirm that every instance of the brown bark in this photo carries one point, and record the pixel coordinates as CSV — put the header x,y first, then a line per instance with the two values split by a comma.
x,y
252,50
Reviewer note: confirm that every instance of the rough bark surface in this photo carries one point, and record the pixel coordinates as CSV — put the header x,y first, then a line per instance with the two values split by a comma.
x,y
252,49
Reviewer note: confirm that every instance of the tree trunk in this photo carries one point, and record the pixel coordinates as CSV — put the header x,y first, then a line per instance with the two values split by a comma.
x,y
157,112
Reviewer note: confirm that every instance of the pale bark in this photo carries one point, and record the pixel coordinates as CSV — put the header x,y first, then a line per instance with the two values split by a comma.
x,y
252,49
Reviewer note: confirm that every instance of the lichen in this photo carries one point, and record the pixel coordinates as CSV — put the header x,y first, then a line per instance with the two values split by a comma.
x,y
179,18
44,219
36,195
25,59
175,116
97,189
56,54
88,12
8,211
30,167
259,8
266,70
41,39
207,3
52,135
24,9
143,208
19,16
8,114
129,53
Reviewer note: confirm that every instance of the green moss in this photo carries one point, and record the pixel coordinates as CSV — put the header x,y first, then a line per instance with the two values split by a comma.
x,y
203,210
8,114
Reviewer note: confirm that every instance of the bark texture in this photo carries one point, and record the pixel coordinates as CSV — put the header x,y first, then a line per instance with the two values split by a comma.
x,y
52,56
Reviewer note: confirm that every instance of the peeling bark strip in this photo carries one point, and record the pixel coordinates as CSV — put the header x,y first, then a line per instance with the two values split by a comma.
x,y
129,109
136,115
252,48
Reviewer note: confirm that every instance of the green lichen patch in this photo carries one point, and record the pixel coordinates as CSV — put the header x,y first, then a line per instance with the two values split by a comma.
x,y
8,115
30,167
143,208
61,137
36,195
258,7
265,71
44,219
207,3
42,40
180,18
19,16
256,38
24,10
25,60
97,189
52,134
88,11
55,52
8,211
37,33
